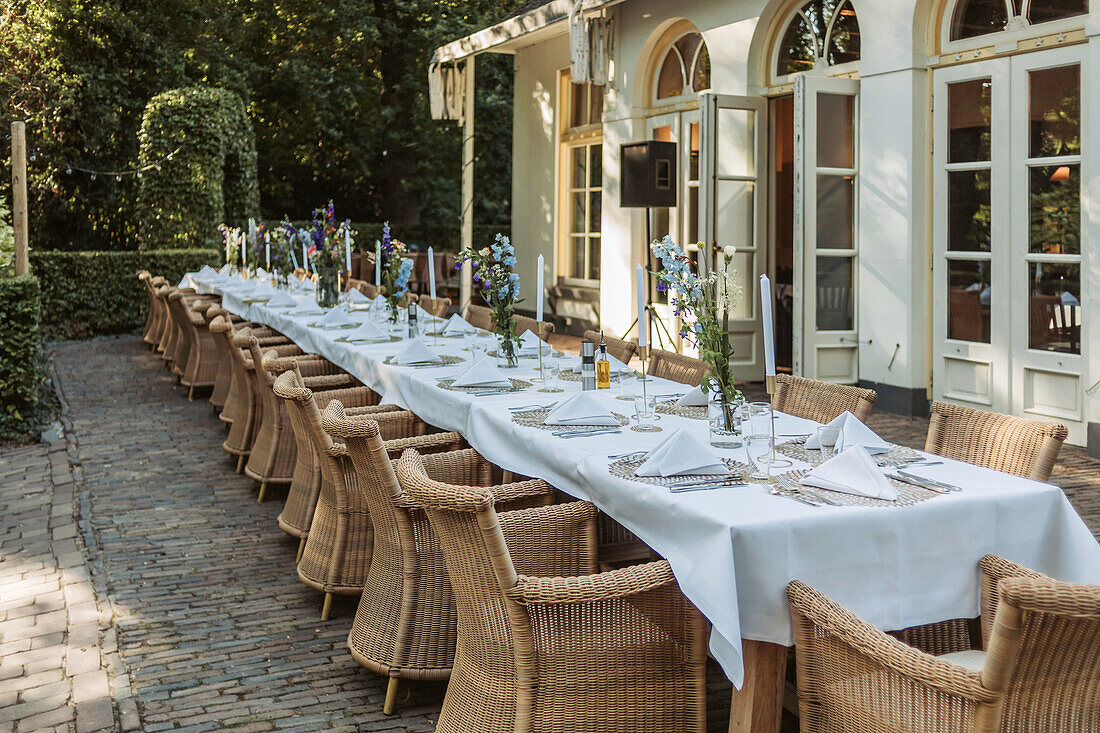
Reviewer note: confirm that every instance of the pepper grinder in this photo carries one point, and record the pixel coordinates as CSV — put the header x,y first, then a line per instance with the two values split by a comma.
x,y
413,331
588,366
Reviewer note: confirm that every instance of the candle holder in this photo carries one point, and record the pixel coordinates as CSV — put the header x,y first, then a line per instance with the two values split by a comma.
x,y
541,377
772,459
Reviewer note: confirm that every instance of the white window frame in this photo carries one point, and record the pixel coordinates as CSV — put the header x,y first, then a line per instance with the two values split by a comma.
x,y
1011,35
690,93
568,139
821,67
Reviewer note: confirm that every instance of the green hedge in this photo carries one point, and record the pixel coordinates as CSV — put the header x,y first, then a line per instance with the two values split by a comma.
x,y
21,373
87,294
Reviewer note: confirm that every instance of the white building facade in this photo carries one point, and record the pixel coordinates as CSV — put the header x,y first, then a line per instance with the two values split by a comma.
x,y
921,180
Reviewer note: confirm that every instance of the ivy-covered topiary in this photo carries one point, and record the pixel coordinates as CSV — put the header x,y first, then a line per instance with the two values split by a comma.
x,y
212,177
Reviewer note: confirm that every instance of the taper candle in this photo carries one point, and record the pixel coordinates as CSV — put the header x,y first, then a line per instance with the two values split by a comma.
x,y
538,291
347,250
267,250
377,263
768,323
431,274
639,273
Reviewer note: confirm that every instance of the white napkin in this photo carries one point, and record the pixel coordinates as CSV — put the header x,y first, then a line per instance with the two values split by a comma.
x,y
368,332
355,295
853,432
694,398
306,309
457,325
306,284
337,318
227,269
282,300
617,367
417,352
682,453
207,272
529,344
853,472
483,373
581,409
423,315
261,273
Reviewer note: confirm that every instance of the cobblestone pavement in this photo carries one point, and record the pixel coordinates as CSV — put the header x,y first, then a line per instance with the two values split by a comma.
x,y
141,585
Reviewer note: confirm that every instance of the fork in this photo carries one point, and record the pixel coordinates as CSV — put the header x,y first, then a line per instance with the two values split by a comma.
x,y
789,483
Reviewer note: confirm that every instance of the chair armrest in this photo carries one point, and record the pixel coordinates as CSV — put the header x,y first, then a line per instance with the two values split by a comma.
x,y
555,541
620,583
320,367
368,409
398,424
994,570
523,495
266,341
460,467
853,644
329,381
353,398
424,444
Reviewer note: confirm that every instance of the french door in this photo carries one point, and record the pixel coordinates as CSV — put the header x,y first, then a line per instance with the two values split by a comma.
x,y
1008,239
826,246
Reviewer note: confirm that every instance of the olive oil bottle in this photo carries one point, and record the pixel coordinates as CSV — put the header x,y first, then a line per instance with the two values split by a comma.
x,y
603,367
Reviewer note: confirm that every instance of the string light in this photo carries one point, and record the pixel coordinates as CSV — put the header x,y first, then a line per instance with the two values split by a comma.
x,y
118,175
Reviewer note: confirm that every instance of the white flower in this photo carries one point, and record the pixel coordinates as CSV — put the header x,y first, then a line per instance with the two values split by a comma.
x,y
729,250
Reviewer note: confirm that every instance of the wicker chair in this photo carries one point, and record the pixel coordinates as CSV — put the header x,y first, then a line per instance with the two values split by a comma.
x,y
615,651
479,316
821,401
364,287
624,351
228,390
150,318
301,499
201,365
523,323
1040,670
1001,442
161,313
438,308
405,625
676,367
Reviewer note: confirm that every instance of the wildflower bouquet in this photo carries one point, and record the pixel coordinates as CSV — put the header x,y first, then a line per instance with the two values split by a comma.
x,y
492,268
705,305
396,270
232,238
324,240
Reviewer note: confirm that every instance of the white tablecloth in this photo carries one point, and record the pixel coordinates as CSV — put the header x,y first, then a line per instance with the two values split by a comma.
x,y
734,550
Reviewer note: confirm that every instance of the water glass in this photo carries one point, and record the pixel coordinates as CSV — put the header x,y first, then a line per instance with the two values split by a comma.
x,y
551,375
645,410
627,387
827,437
760,416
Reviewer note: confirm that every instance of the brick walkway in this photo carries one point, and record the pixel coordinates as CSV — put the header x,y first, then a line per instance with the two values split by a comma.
x,y
141,586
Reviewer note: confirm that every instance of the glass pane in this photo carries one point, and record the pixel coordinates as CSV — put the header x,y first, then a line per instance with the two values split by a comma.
x,y
670,82
1055,193
580,106
798,51
593,258
693,214
835,212
968,298
664,134
844,41
595,103
700,78
742,270
1055,111
693,164
978,17
595,176
736,142
968,211
835,278
836,131
688,45
1055,307
578,218
580,166
968,115
595,211
577,260
736,205
1043,10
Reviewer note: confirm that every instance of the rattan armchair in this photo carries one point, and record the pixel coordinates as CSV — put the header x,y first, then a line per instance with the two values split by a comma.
x,y
201,365
437,308
228,392
1001,442
1039,671
544,642
523,323
821,401
364,287
624,351
676,367
405,625
158,332
146,279
479,316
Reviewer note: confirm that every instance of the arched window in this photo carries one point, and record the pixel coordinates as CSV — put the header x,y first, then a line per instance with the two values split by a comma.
x,y
821,33
974,18
685,68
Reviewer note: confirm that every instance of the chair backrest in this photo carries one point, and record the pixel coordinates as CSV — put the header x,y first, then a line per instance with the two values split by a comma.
x,y
821,401
363,287
479,316
1001,442
306,416
676,367
523,324
438,308
624,351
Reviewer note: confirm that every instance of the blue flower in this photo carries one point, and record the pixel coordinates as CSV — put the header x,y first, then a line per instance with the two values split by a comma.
x,y
510,261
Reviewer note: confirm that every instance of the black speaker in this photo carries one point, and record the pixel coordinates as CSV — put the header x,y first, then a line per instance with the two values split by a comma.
x,y
648,175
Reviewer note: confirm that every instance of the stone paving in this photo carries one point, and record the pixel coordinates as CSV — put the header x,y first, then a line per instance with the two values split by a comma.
x,y
142,587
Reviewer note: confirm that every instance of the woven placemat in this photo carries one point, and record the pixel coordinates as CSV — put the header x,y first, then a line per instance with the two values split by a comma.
x,y
625,468
333,328
449,384
670,407
898,455
908,494
446,360
440,334
536,419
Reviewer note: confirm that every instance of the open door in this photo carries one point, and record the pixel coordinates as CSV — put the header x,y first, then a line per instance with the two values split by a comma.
x,y
732,191
826,328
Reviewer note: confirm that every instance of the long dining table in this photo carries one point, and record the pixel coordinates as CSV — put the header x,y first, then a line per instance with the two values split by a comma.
x,y
733,550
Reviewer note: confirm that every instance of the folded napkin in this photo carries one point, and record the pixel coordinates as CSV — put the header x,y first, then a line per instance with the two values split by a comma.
x,y
417,352
282,300
682,453
186,282
483,373
617,367
852,472
307,309
261,273
423,315
529,344
457,325
306,284
227,269
581,409
368,332
355,296
853,432
337,318
208,272
694,398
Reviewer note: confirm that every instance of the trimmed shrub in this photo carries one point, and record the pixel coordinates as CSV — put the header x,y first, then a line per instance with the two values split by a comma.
x,y
20,357
211,176
88,294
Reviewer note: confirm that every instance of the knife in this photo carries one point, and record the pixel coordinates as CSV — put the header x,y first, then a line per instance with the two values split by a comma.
x,y
705,487
915,482
700,482
588,433
929,481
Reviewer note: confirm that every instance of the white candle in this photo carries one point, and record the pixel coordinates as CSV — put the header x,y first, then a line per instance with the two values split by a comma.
x,y
293,257
377,263
347,250
538,292
305,257
769,326
244,252
431,274
267,250
640,277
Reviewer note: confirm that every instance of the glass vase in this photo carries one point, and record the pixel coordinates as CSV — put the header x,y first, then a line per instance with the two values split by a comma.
x,y
724,415
507,352
328,287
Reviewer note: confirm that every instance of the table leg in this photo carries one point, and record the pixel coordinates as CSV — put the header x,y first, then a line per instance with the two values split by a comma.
x,y
758,706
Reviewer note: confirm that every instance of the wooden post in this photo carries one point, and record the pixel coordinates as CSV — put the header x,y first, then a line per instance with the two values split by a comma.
x,y
466,290
758,706
19,195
